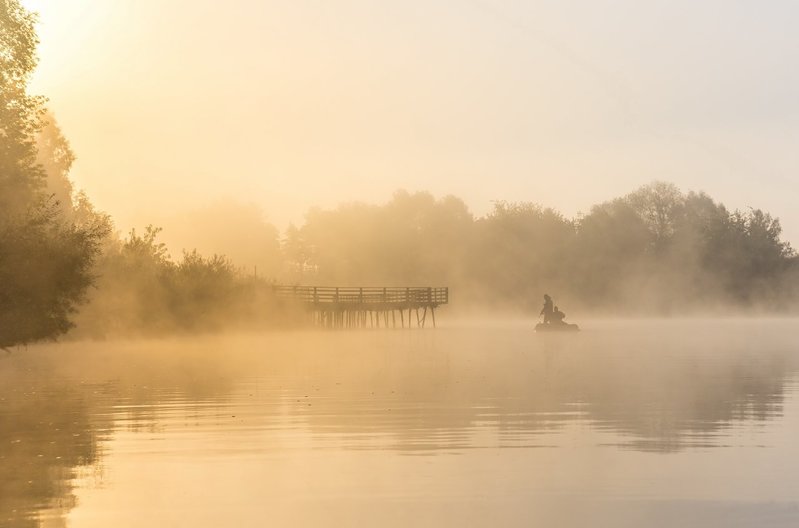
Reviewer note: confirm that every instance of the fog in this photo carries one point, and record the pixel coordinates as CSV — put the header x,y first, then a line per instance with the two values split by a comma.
x,y
656,251
291,104
71,268
241,231
359,345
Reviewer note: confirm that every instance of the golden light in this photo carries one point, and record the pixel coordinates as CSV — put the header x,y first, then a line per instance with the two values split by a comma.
x,y
69,33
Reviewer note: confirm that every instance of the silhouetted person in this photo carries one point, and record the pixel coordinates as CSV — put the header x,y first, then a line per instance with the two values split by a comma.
x,y
546,311
557,316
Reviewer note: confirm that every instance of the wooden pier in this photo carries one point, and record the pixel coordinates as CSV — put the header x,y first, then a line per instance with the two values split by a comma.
x,y
355,307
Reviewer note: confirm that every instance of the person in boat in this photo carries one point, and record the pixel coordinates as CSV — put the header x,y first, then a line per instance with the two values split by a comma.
x,y
546,311
558,317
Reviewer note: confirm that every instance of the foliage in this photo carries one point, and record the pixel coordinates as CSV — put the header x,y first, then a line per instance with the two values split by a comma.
x,y
655,250
55,157
45,270
412,239
46,256
21,177
141,290
516,246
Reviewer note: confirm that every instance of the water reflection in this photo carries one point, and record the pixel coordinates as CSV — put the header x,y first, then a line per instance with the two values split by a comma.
x,y
661,393
648,388
48,430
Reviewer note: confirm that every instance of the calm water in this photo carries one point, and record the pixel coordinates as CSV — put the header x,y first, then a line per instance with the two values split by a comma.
x,y
624,424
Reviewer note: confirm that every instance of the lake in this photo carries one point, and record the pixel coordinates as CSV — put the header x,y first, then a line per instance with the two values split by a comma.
x,y
627,423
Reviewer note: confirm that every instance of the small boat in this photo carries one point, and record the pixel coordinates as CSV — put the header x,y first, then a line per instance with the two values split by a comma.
x,y
556,327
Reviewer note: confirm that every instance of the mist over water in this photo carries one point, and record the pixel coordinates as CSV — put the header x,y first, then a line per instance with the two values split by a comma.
x,y
173,352
666,423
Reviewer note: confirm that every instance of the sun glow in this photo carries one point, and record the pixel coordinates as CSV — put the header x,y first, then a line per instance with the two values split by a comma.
x,y
301,103
70,33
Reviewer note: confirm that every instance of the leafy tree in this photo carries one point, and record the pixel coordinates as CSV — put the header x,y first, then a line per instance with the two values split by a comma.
x,y
200,290
660,206
413,238
612,240
21,176
297,255
45,259
55,157
520,251
45,270
656,249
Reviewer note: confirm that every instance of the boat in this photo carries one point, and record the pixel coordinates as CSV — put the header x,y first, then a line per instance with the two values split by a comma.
x,y
556,327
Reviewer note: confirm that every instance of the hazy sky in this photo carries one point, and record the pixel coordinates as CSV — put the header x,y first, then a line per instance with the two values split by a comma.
x,y
171,104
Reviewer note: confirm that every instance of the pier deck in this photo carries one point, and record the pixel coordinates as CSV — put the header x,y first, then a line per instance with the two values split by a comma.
x,y
360,307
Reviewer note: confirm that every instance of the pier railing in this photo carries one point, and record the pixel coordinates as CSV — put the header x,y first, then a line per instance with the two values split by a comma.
x,y
398,297
336,306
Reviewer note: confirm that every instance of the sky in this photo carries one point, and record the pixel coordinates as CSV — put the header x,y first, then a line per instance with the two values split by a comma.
x,y
286,104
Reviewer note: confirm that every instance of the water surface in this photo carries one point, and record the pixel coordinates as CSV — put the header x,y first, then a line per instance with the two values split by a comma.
x,y
624,424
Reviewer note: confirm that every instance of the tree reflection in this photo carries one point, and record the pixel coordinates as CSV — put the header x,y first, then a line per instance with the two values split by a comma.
x,y
58,409
660,388
47,432
661,393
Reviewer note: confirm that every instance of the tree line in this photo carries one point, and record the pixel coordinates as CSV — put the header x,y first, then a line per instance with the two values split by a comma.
x,y
62,265
656,250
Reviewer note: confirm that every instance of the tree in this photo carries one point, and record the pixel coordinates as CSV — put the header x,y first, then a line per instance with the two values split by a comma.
x,y
21,177
660,205
611,245
520,251
45,259
55,157
45,270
